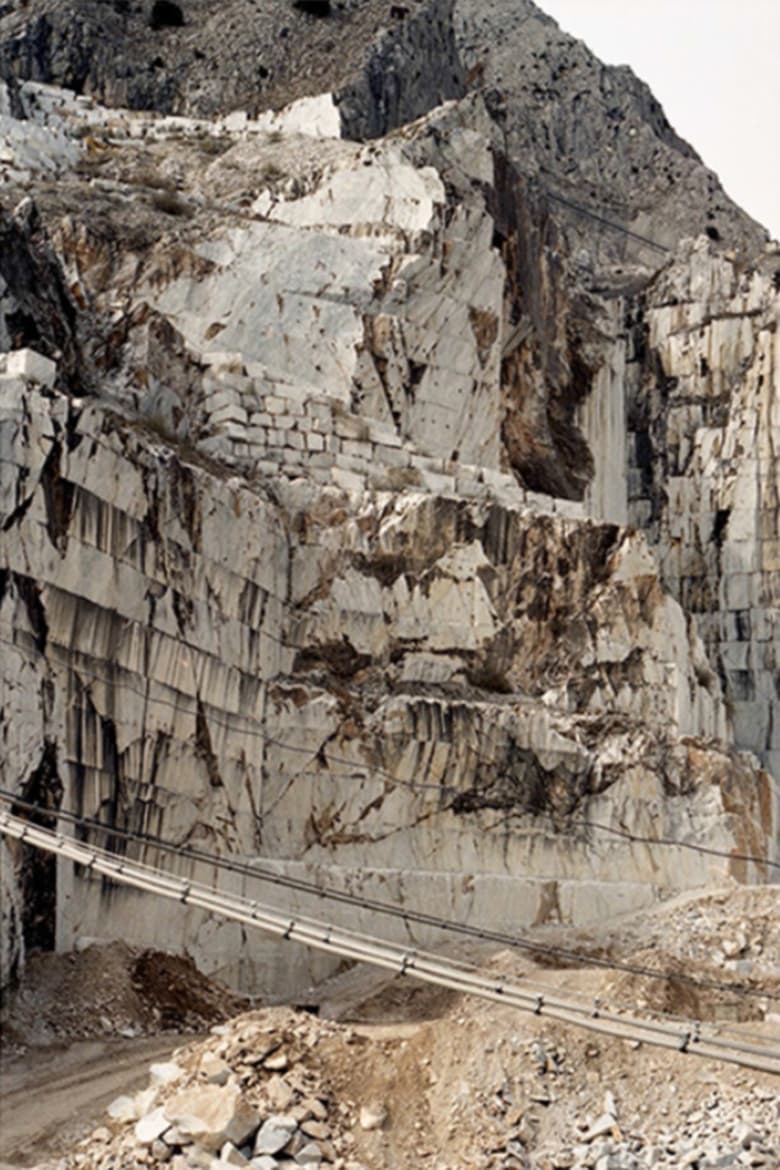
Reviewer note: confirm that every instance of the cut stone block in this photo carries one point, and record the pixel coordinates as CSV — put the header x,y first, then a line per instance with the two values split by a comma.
x,y
232,413
348,480
31,365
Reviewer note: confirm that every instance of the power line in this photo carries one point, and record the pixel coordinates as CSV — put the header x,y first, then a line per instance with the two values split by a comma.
x,y
376,771
594,215
686,1037
387,908
313,889
607,222
444,790
251,732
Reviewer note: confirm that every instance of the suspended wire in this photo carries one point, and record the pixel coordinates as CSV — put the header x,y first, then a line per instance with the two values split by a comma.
x,y
373,772
376,771
465,977
253,870
607,222
457,975
587,211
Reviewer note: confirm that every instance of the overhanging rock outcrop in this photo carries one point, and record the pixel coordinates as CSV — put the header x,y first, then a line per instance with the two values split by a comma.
x,y
318,459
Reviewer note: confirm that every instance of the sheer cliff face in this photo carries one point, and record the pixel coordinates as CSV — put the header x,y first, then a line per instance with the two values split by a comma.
x,y
702,393
370,689
315,538
597,141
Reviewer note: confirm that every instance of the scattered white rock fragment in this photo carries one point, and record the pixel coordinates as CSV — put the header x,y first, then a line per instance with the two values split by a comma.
x,y
144,1101
372,1116
165,1073
601,1127
123,1109
152,1126
213,1115
309,1155
229,1155
213,1069
279,1093
734,945
276,1063
274,1134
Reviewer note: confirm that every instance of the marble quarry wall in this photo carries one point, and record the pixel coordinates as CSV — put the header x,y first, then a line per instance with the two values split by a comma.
x,y
344,530
190,658
702,391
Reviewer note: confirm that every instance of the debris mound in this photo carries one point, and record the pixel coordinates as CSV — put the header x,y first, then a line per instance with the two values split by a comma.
x,y
479,1088
111,989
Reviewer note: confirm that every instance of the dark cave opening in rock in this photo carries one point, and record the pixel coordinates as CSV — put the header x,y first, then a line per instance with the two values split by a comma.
x,y
313,7
166,14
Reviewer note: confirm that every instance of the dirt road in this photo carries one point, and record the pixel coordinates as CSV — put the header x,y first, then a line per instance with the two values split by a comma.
x,y
51,1097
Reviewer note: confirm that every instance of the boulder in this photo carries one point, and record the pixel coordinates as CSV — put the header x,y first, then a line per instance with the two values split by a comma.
x,y
275,1133
212,1115
151,1126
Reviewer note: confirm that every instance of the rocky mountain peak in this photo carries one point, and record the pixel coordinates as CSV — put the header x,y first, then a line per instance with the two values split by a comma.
x,y
626,187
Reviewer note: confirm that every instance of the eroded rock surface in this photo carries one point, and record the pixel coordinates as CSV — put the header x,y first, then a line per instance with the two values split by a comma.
x,y
388,63
315,541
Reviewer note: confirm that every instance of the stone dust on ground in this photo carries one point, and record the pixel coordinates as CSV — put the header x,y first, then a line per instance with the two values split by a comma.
x,y
381,1073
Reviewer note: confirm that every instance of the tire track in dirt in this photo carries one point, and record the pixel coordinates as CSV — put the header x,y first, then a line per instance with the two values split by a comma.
x,y
51,1097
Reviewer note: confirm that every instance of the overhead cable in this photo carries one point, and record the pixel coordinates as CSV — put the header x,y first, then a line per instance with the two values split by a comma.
x,y
686,1038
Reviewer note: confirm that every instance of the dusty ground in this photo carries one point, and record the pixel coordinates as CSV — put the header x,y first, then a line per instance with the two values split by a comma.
x,y
53,1096
461,1084
82,1028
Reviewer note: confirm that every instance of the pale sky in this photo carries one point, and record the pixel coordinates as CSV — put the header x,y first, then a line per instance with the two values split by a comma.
x,y
715,67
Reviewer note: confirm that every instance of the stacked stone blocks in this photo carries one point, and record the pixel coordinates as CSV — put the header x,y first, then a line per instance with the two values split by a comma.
x,y
262,427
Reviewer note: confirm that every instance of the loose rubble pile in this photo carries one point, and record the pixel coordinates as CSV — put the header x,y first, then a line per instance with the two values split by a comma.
x,y
384,1073
253,1095
476,1087
109,990
720,936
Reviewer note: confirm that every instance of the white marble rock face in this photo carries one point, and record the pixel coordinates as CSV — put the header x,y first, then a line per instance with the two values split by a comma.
x,y
275,591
